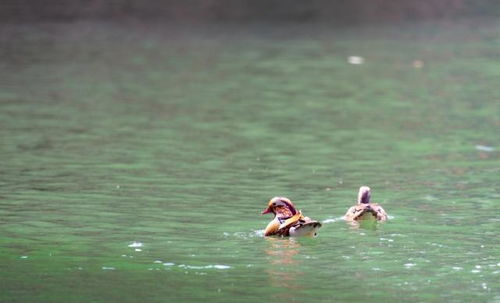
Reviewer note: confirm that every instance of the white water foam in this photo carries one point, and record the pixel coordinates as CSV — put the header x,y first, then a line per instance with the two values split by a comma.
x,y
136,244
215,266
485,148
332,220
245,235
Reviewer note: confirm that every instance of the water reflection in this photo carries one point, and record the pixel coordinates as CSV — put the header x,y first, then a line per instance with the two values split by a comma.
x,y
284,268
369,224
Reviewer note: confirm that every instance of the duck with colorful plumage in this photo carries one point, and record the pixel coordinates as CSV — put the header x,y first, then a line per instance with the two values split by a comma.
x,y
288,221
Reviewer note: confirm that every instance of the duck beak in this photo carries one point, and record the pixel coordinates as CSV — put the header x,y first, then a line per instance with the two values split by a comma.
x,y
267,211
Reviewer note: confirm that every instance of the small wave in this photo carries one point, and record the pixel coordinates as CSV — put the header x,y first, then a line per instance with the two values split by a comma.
x,y
332,220
215,266
397,235
485,148
430,198
245,235
356,60
136,244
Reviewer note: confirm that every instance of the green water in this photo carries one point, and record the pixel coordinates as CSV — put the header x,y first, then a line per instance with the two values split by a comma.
x,y
136,160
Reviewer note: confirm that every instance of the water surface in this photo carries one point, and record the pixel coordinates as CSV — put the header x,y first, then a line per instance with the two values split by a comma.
x,y
136,160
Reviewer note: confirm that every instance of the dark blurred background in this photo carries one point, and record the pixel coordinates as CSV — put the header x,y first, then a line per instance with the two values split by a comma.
x,y
201,11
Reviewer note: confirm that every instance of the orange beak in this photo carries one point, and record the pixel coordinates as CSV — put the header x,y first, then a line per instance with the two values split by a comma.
x,y
267,210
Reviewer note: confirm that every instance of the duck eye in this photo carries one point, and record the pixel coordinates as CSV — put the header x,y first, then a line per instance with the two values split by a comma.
x,y
274,204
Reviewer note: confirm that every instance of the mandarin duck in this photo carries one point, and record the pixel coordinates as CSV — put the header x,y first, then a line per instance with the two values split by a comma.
x,y
364,209
288,221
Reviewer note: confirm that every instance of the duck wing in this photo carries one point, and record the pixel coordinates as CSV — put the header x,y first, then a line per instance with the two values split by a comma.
x,y
272,228
297,225
279,227
292,220
360,211
379,212
300,225
305,228
366,211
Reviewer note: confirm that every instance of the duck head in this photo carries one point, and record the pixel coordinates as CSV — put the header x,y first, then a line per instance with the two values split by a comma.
x,y
364,195
281,207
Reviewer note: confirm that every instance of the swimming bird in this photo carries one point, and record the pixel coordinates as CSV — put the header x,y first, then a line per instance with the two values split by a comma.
x,y
364,209
288,221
